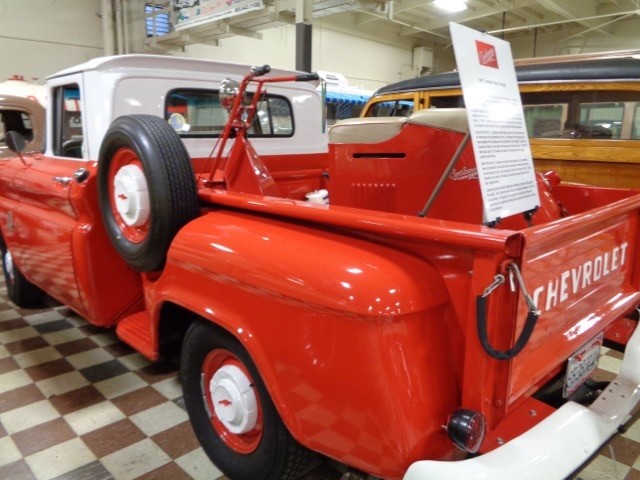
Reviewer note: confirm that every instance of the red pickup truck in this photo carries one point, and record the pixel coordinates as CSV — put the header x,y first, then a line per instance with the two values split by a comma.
x,y
388,329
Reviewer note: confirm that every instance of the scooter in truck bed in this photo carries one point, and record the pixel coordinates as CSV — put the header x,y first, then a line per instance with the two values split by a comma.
x,y
353,330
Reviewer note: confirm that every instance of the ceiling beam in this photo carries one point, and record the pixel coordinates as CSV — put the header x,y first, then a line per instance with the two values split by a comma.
x,y
564,21
244,32
413,28
617,19
480,12
574,10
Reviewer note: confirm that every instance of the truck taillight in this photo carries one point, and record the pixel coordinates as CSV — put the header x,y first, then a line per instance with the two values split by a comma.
x,y
466,429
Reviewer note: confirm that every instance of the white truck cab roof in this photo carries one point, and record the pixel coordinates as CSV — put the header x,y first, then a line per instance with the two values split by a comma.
x,y
130,84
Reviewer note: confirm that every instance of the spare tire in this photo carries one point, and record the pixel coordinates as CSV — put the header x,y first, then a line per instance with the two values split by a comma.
x,y
147,189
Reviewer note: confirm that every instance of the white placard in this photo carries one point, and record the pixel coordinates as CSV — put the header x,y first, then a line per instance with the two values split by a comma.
x,y
496,122
190,13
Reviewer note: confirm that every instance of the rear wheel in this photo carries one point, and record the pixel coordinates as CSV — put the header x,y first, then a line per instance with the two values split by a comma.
x,y
231,411
19,290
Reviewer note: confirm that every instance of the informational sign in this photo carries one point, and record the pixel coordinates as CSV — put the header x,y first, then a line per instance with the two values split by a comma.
x,y
191,13
496,122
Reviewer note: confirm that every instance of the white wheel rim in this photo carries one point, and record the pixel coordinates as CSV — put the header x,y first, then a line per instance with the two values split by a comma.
x,y
131,195
234,400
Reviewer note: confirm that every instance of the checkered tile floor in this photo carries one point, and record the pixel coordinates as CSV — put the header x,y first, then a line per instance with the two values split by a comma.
x,y
76,403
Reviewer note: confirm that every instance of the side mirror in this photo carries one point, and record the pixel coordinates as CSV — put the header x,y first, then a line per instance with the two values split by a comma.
x,y
15,141
229,90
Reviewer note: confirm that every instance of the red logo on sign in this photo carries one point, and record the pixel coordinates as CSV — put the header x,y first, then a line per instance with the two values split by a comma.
x,y
487,54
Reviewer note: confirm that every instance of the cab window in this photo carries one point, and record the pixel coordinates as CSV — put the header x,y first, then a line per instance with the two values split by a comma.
x,y
68,134
15,120
198,113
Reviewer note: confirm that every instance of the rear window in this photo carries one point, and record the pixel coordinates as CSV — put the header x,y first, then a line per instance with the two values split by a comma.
x,y
198,113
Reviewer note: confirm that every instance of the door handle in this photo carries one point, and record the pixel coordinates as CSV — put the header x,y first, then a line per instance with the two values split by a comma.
x,y
60,180
79,176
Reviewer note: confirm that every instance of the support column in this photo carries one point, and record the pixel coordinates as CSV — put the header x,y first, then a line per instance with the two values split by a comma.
x,y
117,13
107,27
304,17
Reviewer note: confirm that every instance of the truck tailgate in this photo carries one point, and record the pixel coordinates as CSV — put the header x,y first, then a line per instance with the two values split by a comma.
x,y
582,275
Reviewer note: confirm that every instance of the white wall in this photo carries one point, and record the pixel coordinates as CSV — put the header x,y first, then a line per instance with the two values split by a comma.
x,y
370,60
365,63
39,37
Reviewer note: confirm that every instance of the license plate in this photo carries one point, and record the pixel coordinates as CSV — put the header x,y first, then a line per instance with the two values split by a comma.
x,y
581,364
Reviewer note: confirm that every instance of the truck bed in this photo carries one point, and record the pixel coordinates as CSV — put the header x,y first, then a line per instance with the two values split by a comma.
x,y
600,230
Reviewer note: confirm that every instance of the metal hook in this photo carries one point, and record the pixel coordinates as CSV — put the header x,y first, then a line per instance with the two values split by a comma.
x,y
513,269
497,281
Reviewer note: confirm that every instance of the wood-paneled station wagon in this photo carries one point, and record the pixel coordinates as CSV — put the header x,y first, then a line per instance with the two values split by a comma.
x,y
582,114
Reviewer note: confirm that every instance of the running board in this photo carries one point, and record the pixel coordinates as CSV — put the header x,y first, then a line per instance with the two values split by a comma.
x,y
135,330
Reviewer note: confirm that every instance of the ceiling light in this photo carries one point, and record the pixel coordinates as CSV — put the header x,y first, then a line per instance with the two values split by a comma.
x,y
451,6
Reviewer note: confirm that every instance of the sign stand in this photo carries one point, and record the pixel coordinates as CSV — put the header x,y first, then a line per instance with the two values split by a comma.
x,y
445,175
496,123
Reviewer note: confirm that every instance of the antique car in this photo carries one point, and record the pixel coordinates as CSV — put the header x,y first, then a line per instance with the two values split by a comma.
x,y
583,115
22,115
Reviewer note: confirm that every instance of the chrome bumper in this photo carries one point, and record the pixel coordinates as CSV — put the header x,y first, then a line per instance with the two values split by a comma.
x,y
559,444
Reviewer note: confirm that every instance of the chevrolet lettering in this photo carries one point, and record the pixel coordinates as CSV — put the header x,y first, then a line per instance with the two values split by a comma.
x,y
571,281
